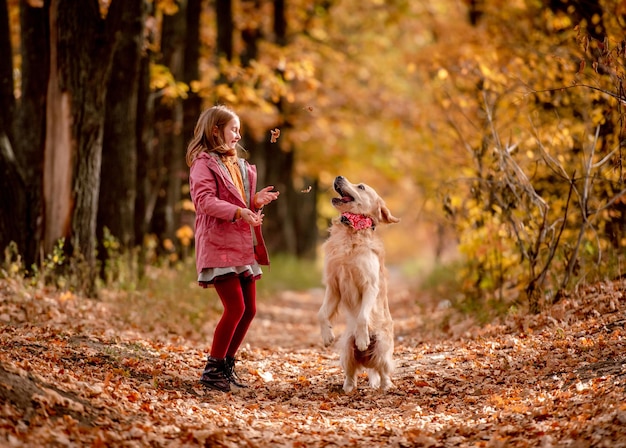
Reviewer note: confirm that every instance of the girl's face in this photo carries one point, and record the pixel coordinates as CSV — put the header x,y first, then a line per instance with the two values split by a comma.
x,y
231,133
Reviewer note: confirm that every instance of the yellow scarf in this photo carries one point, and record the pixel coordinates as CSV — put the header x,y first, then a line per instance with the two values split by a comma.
x,y
232,165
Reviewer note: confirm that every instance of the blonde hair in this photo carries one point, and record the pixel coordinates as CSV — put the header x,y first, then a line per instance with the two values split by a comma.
x,y
204,139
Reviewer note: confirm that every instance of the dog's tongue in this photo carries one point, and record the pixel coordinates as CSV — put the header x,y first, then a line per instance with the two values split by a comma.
x,y
346,199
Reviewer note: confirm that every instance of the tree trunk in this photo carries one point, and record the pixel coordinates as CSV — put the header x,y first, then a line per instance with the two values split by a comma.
x,y
22,131
291,222
31,119
7,100
225,28
81,57
144,132
12,188
192,106
276,169
169,142
116,207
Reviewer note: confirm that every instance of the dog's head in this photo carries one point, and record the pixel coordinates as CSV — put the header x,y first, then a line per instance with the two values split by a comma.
x,y
361,199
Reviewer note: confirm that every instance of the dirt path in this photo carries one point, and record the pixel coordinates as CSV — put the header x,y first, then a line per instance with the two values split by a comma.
x,y
288,324
71,375
289,320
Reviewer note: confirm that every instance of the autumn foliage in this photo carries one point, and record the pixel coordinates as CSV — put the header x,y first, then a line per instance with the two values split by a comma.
x,y
536,114
494,129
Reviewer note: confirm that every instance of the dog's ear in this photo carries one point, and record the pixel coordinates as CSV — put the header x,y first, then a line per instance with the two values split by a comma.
x,y
386,216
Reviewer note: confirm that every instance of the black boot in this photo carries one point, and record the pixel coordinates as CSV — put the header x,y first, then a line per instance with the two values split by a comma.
x,y
231,375
214,375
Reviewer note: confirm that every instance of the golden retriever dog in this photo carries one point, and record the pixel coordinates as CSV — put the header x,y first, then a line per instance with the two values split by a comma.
x,y
356,285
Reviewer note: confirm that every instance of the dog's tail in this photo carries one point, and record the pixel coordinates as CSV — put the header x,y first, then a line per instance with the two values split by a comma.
x,y
363,357
376,355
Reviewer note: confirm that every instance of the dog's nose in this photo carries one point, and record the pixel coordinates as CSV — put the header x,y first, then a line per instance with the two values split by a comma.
x,y
338,181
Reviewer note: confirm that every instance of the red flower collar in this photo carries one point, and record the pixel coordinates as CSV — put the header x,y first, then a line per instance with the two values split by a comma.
x,y
357,222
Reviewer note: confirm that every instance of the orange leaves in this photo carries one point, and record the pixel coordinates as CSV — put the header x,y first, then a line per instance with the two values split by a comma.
x,y
275,134
303,381
90,381
326,406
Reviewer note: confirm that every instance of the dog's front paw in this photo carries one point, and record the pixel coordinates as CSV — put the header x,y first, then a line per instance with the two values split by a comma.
x,y
362,340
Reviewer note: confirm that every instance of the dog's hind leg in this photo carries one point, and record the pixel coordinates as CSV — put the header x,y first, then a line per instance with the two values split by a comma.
x,y
385,382
385,370
350,372
349,383
383,357
373,378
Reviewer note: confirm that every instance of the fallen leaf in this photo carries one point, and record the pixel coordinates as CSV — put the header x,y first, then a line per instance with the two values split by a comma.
x,y
266,376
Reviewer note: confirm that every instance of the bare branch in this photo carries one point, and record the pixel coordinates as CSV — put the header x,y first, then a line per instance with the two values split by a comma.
x,y
614,95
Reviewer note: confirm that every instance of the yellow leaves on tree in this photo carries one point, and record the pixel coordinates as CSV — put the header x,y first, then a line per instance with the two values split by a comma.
x,y
185,235
165,85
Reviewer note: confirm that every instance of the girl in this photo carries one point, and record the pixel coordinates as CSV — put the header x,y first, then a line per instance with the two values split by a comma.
x,y
229,244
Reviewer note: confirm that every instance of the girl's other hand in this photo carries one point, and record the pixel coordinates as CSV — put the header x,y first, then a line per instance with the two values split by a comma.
x,y
252,218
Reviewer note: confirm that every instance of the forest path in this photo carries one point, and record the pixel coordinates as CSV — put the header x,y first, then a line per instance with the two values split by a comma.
x,y
73,373
288,324
289,320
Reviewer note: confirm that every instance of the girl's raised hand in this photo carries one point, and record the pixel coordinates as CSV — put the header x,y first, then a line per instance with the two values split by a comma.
x,y
265,196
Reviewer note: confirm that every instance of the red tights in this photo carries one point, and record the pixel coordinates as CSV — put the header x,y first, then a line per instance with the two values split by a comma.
x,y
238,296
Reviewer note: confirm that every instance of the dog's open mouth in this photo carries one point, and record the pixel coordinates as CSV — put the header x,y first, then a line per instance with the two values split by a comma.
x,y
344,199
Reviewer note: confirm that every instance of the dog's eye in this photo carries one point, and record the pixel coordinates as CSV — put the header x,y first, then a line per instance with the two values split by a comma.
x,y
361,187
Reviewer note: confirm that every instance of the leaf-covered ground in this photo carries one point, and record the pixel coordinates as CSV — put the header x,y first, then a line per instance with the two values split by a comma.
x,y
72,374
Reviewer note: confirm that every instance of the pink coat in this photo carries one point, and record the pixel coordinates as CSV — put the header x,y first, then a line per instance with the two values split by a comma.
x,y
222,241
